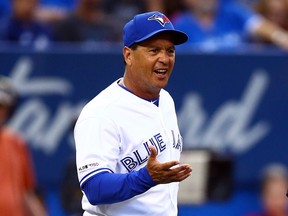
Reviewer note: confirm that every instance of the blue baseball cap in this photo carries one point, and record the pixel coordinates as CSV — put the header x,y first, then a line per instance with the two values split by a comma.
x,y
146,25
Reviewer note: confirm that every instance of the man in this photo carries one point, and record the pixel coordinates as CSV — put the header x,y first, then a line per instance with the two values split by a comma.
x,y
17,186
127,139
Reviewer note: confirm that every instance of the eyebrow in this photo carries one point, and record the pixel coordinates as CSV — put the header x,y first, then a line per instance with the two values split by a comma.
x,y
157,46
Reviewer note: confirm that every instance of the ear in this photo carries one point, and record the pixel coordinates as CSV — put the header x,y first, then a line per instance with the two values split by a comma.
x,y
127,54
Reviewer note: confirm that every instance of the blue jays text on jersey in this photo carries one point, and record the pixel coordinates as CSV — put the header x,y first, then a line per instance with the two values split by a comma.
x,y
140,155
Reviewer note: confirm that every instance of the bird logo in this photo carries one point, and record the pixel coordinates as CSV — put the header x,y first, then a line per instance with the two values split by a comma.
x,y
160,19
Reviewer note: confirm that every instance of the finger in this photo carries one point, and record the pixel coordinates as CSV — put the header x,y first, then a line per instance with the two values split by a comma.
x,y
175,178
183,177
187,167
186,170
176,173
169,165
153,152
179,176
181,167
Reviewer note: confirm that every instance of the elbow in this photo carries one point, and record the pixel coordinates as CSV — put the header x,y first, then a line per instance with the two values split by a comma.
x,y
92,199
90,193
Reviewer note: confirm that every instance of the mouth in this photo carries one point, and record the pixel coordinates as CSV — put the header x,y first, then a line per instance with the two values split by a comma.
x,y
161,73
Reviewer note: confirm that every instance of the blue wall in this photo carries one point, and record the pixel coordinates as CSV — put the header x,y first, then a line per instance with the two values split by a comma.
x,y
234,103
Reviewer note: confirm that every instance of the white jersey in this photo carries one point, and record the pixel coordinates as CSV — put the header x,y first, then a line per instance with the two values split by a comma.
x,y
113,133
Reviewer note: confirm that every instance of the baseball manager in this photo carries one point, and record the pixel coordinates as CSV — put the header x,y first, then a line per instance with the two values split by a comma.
x,y
128,143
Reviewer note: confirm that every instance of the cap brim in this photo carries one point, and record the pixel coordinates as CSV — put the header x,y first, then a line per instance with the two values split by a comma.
x,y
178,37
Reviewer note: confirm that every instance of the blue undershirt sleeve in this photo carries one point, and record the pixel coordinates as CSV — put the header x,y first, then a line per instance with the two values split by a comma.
x,y
108,188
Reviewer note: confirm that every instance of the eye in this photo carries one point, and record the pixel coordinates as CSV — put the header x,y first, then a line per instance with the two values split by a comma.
x,y
154,50
171,51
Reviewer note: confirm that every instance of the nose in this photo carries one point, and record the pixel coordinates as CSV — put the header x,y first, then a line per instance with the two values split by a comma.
x,y
164,57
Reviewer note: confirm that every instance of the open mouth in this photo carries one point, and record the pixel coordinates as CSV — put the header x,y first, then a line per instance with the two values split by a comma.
x,y
161,74
161,71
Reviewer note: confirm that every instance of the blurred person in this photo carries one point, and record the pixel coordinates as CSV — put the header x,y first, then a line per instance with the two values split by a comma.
x,y
274,185
21,26
51,14
156,5
173,8
125,10
122,11
88,22
52,11
216,24
275,11
18,185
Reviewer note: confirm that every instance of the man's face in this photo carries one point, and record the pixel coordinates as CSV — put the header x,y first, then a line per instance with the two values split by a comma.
x,y
150,65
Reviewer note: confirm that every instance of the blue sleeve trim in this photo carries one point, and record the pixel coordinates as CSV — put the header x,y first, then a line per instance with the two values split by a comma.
x,y
98,170
108,188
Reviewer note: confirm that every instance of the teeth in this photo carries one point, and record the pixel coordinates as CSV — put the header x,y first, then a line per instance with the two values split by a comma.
x,y
161,71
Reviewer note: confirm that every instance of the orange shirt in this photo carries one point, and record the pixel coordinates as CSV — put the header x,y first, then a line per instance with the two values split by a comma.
x,y
16,174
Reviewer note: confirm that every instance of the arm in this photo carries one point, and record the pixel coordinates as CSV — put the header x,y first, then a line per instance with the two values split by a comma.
x,y
261,28
107,188
34,204
269,31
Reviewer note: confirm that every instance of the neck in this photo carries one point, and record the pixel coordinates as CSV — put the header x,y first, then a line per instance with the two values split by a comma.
x,y
123,82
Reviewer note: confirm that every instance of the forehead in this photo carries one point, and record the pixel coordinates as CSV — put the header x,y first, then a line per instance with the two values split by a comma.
x,y
162,38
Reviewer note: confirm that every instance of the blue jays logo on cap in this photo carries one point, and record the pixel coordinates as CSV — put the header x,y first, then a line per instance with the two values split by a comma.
x,y
161,19
146,25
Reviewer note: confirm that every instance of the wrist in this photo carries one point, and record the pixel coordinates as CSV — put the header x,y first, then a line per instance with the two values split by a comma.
x,y
144,174
279,37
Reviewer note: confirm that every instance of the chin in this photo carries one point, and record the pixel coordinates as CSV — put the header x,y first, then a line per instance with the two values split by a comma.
x,y
161,86
163,83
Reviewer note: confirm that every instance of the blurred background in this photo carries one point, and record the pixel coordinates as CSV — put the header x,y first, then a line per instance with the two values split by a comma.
x,y
230,86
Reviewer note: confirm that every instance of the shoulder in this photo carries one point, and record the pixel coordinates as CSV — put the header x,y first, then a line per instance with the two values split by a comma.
x,y
165,93
166,97
101,104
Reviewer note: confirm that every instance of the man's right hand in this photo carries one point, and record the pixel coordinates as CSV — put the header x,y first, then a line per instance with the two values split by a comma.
x,y
163,173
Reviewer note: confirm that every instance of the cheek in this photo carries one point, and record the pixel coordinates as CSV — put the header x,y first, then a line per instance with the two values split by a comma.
x,y
139,65
146,65
172,62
